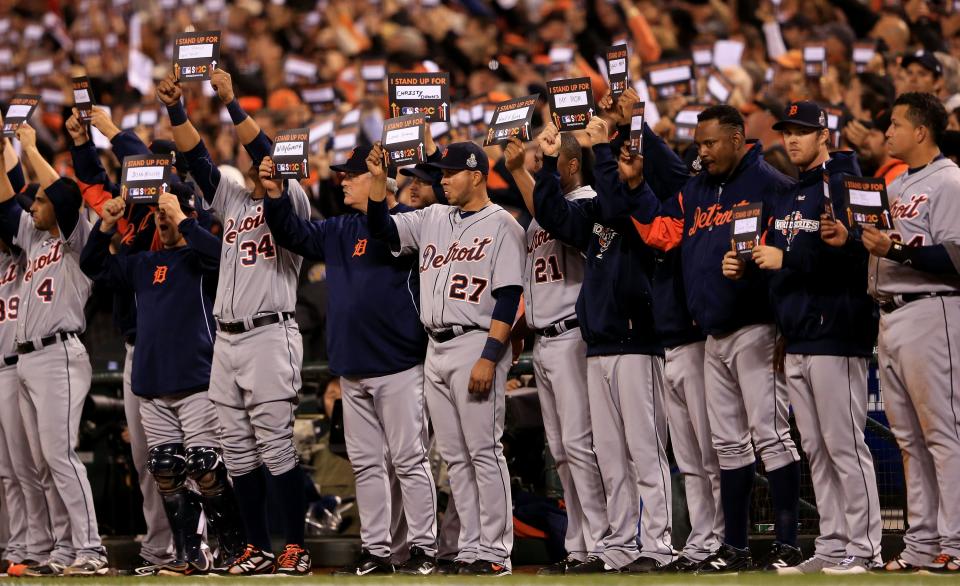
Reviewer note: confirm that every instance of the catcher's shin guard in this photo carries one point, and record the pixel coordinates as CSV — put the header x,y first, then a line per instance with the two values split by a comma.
x,y
168,465
206,468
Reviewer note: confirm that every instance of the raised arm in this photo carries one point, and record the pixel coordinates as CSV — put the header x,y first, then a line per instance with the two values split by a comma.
x,y
257,144
42,170
382,226
188,140
96,262
290,231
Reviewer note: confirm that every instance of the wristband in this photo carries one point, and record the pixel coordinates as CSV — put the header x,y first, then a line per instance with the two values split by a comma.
x,y
898,253
236,112
177,114
492,350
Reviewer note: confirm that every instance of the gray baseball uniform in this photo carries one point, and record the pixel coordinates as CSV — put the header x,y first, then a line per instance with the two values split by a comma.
x,y
157,544
56,377
462,261
551,285
686,405
30,532
255,378
918,369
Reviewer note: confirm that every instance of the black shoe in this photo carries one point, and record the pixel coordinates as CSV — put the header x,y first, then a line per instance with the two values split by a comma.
x,y
780,555
484,568
592,565
641,565
145,568
681,565
559,568
727,560
419,564
367,564
449,567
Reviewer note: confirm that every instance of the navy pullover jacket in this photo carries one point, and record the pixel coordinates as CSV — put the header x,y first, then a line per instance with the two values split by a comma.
x,y
698,221
819,296
615,304
373,320
174,289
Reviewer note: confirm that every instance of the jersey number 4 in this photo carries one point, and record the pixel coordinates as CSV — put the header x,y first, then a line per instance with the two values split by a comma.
x,y
547,270
251,250
9,308
459,284
45,290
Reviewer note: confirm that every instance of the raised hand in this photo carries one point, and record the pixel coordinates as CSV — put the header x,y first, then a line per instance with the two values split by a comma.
x,y
514,155
168,90
598,131
110,213
223,84
170,208
103,122
375,163
271,185
549,140
77,130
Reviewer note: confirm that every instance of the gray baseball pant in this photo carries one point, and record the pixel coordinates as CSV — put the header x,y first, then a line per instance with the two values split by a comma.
x,y
157,544
829,399
190,420
560,366
23,491
686,402
629,438
385,416
468,430
747,400
919,347
56,380
254,383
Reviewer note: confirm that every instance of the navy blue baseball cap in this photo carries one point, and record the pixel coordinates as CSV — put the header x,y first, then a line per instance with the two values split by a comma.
x,y
463,156
421,172
926,60
357,162
805,113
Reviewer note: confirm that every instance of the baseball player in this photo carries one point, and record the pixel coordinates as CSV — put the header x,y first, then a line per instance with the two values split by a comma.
x,y
136,234
255,378
624,363
425,189
30,539
179,419
914,274
53,366
746,398
470,285
551,285
829,325
683,376
380,362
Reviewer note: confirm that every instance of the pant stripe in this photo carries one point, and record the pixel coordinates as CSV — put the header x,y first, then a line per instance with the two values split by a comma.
x,y
70,448
946,331
660,449
425,464
856,447
508,518
773,374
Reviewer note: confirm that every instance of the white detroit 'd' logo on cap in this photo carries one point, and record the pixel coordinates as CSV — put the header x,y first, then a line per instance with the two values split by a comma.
x,y
472,161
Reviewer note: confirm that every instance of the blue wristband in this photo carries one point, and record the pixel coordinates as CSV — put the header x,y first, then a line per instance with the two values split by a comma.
x,y
236,112
177,114
492,350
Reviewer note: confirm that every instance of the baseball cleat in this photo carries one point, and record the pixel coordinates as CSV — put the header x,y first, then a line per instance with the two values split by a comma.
x,y
450,567
944,564
419,564
559,568
367,564
681,565
727,560
592,565
641,565
87,567
813,565
484,568
146,568
45,570
850,566
16,570
899,566
780,556
252,562
294,561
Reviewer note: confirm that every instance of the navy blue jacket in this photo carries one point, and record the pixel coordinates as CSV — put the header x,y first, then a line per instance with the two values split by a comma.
x,y
615,304
819,296
698,220
373,321
174,289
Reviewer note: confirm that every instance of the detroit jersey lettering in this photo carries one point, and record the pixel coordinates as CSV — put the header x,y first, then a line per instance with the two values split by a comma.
x,y
54,289
11,271
925,209
256,276
554,273
457,257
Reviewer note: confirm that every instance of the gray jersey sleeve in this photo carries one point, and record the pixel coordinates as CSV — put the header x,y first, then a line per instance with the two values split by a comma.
x,y
299,199
945,211
408,226
509,256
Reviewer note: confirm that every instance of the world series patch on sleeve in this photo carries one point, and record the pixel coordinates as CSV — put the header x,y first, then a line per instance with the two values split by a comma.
x,y
145,177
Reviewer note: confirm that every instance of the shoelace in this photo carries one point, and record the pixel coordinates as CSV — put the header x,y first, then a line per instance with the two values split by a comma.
x,y
247,553
942,559
847,561
290,557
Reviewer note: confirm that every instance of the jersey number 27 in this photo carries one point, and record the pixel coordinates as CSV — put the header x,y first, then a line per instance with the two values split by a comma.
x,y
459,284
